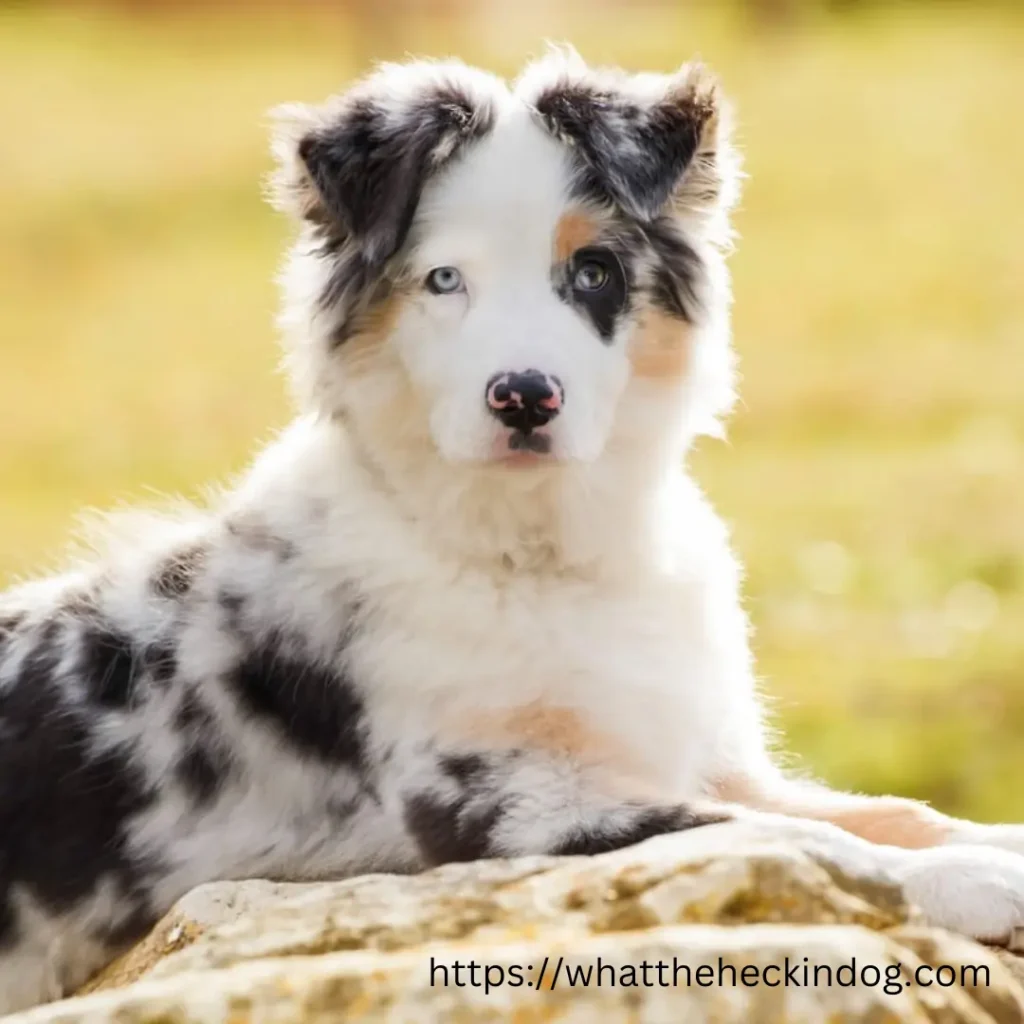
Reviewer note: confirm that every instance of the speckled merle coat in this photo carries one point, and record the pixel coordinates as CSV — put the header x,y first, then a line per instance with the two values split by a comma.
x,y
469,604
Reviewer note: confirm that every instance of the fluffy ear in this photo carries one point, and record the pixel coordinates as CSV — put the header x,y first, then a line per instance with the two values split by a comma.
x,y
357,166
644,141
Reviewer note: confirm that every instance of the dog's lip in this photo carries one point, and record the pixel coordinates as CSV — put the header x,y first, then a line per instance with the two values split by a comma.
x,y
529,440
506,453
525,458
536,441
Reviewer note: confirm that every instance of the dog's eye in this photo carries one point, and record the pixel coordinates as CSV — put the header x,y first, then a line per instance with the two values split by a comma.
x,y
444,281
597,284
591,275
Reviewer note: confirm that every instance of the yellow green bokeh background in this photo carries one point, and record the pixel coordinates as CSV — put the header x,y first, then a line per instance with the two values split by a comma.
x,y
874,473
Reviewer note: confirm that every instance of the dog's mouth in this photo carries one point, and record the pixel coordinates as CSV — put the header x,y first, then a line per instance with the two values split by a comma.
x,y
529,441
524,448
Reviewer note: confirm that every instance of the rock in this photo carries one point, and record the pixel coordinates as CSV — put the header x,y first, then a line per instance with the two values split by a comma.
x,y
369,986
725,908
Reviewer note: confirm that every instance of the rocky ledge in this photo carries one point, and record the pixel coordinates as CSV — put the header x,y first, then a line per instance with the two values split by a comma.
x,y
727,908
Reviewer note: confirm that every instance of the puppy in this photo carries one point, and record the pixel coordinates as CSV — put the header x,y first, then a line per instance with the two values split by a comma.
x,y
469,604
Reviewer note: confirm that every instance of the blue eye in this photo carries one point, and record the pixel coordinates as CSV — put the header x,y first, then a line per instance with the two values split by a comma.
x,y
444,281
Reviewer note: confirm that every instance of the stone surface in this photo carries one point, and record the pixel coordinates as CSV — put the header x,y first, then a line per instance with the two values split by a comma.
x,y
723,898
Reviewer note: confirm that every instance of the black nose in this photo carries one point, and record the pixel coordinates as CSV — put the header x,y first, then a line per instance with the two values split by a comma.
x,y
525,400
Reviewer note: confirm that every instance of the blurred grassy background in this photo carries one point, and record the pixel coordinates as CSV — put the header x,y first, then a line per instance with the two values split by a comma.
x,y
875,471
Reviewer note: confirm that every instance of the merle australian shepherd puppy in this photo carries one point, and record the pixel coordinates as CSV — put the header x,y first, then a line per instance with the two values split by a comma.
x,y
469,604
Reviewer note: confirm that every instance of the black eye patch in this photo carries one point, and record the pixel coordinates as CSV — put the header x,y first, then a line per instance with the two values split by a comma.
x,y
596,282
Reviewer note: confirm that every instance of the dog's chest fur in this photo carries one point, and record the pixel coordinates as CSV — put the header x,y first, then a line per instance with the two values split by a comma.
x,y
600,674
621,670
398,659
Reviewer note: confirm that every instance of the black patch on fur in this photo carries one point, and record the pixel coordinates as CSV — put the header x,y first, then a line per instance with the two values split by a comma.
x,y
108,666
456,828
588,187
10,623
200,773
8,921
649,822
631,154
191,713
204,764
161,661
175,576
446,833
666,294
676,271
369,164
64,806
466,769
232,605
340,809
313,707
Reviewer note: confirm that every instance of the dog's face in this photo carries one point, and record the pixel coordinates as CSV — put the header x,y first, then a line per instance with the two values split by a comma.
x,y
511,276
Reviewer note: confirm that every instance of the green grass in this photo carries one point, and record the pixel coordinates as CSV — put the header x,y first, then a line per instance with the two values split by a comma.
x,y
875,470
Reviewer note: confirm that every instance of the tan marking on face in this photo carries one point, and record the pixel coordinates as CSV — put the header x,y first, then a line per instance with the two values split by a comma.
x,y
659,346
888,820
375,326
573,231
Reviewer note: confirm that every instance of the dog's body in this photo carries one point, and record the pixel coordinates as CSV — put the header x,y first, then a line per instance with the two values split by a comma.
x,y
469,604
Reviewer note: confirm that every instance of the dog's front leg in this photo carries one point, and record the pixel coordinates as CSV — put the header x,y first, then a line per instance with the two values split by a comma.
x,y
965,876
468,806
889,820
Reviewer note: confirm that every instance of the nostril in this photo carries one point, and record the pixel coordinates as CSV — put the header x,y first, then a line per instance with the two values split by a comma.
x,y
553,400
499,393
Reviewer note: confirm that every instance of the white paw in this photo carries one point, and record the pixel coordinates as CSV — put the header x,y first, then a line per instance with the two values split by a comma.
x,y
975,890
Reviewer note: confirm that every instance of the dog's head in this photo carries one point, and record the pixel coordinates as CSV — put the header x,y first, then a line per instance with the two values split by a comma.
x,y
525,275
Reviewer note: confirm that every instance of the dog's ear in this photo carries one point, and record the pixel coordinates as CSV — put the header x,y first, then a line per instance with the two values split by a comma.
x,y
357,166
647,142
